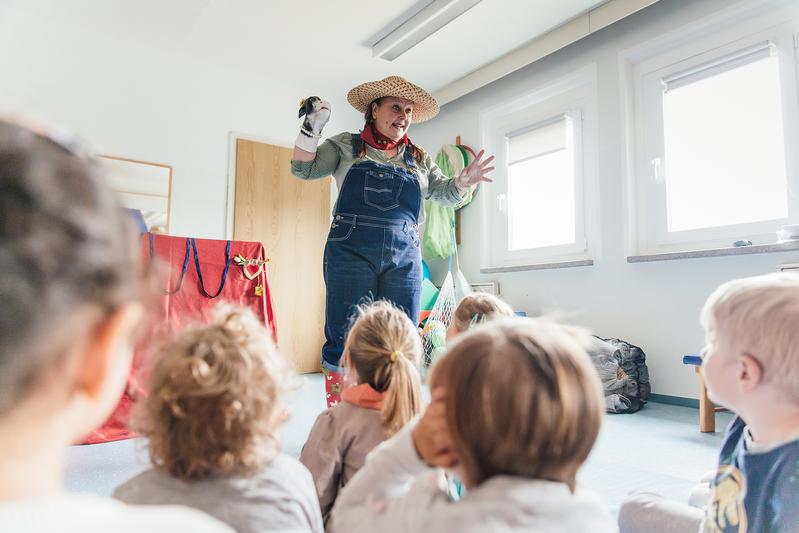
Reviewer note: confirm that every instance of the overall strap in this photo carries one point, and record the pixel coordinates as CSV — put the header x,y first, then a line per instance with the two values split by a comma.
x,y
409,160
357,144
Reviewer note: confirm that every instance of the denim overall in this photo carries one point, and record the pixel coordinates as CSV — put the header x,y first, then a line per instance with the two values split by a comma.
x,y
372,249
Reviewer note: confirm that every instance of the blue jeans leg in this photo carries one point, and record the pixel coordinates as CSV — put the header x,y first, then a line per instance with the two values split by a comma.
x,y
350,280
401,279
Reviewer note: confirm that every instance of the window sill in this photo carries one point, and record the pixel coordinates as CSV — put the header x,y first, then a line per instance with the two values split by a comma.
x,y
539,266
716,252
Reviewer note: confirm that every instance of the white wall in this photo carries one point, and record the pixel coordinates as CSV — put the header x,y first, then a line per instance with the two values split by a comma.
x,y
143,102
654,305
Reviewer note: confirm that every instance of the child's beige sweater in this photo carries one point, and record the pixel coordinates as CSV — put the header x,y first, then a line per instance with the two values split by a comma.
x,y
339,442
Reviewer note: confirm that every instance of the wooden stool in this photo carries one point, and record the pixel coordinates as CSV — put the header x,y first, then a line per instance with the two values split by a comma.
x,y
707,410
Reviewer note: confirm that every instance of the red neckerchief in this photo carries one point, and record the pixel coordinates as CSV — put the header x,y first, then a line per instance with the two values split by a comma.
x,y
375,139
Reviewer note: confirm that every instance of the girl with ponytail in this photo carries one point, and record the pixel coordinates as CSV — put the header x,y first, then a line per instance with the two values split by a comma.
x,y
381,358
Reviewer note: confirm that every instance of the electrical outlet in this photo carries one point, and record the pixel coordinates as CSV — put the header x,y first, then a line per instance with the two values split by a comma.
x,y
492,287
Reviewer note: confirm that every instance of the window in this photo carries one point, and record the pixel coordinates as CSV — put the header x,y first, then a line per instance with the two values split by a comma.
x,y
541,206
534,213
712,122
740,176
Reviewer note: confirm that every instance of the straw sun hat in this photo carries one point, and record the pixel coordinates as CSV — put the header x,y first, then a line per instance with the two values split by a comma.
x,y
425,106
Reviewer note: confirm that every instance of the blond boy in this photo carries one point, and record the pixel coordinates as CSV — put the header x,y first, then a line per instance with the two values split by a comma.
x,y
751,366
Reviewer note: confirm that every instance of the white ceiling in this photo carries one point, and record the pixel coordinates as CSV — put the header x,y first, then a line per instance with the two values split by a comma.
x,y
315,46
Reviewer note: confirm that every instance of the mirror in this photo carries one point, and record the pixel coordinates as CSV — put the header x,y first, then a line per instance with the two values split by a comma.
x,y
144,186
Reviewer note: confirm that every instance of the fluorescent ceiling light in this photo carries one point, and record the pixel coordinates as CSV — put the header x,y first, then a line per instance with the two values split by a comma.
x,y
419,27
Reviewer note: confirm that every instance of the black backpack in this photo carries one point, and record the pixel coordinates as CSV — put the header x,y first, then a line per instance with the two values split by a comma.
x,y
622,369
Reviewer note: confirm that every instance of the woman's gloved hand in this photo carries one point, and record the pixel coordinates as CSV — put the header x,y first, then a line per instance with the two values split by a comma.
x,y
317,113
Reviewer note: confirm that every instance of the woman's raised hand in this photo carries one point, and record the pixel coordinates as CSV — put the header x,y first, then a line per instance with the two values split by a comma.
x,y
475,173
317,113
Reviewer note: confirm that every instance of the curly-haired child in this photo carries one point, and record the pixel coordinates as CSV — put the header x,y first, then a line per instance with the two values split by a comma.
x,y
213,407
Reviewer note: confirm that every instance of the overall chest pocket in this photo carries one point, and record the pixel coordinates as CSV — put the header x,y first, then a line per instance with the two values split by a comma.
x,y
382,189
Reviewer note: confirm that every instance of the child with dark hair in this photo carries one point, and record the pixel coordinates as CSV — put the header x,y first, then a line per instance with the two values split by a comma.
x,y
70,290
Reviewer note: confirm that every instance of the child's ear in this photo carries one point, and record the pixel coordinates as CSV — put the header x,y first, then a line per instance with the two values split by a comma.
x,y
750,372
108,351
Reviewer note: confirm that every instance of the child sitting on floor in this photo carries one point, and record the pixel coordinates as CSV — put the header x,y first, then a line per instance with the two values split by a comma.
x,y
381,357
70,289
751,366
516,407
211,413
474,309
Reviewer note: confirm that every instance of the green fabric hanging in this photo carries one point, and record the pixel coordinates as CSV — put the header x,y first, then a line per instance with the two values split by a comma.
x,y
439,221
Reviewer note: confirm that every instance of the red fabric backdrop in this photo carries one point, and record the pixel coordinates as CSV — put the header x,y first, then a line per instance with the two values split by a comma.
x,y
192,300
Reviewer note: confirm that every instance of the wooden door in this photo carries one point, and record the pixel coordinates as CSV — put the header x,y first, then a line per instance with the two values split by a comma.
x,y
291,218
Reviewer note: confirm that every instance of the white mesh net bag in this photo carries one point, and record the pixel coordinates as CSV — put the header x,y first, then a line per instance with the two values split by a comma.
x,y
435,329
452,291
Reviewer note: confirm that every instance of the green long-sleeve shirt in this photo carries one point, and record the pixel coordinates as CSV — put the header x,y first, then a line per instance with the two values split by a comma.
x,y
334,156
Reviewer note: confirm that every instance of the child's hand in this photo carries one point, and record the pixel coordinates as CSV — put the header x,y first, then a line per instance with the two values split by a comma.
x,y
431,435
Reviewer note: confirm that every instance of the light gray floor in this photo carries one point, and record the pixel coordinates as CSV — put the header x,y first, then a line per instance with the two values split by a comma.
x,y
657,449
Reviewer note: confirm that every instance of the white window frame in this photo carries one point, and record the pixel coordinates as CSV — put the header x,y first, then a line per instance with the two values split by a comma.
x,y
646,195
574,97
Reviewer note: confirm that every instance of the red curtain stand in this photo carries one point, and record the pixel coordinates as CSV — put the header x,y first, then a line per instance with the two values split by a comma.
x,y
183,304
